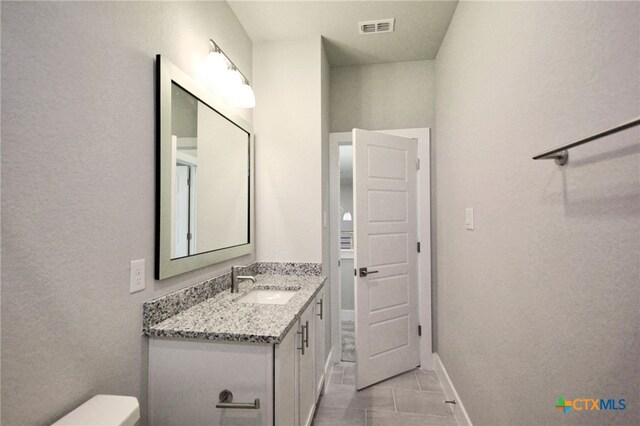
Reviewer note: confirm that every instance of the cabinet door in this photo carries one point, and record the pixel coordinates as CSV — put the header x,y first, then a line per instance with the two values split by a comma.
x,y
286,377
321,313
307,367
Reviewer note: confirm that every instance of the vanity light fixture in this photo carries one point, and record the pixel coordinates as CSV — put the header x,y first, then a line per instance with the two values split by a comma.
x,y
228,78
216,62
347,217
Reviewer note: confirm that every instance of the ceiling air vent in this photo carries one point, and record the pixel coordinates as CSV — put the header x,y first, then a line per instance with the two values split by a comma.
x,y
381,26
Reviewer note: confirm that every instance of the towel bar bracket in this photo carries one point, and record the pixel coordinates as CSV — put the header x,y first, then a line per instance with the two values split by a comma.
x,y
561,158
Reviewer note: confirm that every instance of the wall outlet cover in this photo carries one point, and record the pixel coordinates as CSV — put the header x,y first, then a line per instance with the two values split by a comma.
x,y
136,276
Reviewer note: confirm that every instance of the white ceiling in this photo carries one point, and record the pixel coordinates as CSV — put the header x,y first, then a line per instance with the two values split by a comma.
x,y
419,29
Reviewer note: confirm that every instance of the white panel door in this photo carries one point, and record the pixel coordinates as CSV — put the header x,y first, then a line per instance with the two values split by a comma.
x,y
385,227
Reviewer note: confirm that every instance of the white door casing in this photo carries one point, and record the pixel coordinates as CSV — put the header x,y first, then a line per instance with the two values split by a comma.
x,y
183,198
386,229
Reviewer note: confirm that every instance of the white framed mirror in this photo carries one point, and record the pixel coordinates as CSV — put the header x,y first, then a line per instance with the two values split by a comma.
x,y
204,176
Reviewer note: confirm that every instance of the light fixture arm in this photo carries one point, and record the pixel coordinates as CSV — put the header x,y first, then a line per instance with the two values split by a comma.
x,y
216,48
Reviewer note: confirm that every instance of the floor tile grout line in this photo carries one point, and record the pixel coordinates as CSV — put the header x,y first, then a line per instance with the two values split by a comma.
x,y
393,394
431,391
411,413
423,391
356,408
416,376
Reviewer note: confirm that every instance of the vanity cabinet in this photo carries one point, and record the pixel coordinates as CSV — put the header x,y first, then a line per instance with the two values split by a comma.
x,y
307,365
286,384
295,373
186,377
321,315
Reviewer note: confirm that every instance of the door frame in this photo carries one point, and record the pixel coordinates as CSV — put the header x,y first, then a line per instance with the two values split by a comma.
x,y
191,162
423,135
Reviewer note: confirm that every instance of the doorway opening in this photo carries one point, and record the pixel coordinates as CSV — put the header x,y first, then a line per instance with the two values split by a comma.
x,y
342,243
347,304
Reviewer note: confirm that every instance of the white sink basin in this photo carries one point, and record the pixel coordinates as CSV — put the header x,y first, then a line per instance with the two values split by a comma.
x,y
268,297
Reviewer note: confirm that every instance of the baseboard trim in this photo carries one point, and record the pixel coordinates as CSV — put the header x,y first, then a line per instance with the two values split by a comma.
x,y
427,361
328,369
462,418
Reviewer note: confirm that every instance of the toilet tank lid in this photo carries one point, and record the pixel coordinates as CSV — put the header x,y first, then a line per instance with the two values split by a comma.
x,y
104,410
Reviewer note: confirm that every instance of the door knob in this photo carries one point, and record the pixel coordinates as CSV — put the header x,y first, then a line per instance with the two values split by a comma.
x,y
364,272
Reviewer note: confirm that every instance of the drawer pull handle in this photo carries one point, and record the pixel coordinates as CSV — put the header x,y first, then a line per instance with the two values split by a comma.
x,y
225,400
304,340
301,333
321,303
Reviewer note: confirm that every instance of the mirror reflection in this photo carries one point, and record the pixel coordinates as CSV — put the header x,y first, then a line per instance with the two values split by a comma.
x,y
210,178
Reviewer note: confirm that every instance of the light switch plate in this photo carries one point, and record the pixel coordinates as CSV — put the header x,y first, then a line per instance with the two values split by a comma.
x,y
136,276
468,214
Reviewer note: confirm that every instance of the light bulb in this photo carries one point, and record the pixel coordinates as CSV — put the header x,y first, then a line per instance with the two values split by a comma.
x,y
244,97
217,65
347,217
231,84
234,79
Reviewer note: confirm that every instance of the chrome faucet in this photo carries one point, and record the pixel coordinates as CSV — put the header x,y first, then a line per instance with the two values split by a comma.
x,y
235,278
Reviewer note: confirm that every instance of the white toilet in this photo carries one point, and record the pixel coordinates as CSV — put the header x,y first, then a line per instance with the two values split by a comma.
x,y
104,410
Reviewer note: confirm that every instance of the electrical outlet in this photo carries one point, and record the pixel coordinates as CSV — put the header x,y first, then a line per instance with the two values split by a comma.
x,y
136,276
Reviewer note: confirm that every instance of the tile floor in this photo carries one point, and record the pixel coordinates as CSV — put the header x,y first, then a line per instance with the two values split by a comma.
x,y
348,337
413,398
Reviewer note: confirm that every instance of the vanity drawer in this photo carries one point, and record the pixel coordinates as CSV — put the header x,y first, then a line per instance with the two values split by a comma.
x,y
186,378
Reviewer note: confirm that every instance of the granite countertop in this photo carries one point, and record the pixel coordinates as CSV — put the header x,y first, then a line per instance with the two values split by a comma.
x,y
223,318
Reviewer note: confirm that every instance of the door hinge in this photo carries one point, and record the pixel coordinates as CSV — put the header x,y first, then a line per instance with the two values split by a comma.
x,y
355,272
419,330
339,263
417,164
418,246
188,236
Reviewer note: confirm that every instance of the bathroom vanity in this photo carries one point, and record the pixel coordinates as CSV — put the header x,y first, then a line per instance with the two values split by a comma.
x,y
217,357
270,356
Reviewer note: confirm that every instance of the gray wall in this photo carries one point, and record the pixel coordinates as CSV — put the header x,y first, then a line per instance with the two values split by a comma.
x,y
399,95
78,149
541,299
289,150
